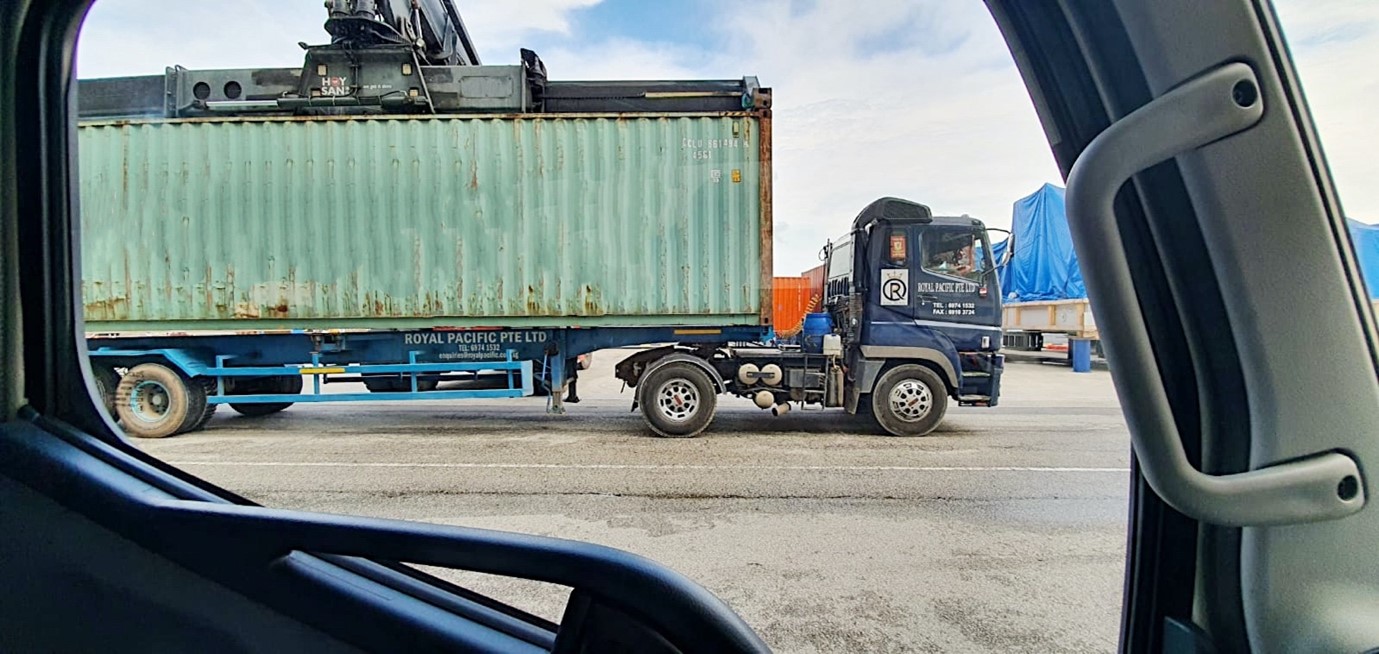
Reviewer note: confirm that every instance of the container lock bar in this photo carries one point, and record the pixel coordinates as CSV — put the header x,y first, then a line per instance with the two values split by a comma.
x,y
1217,104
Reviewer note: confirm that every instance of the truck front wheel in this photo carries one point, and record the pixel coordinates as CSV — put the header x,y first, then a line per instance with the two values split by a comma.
x,y
909,400
678,399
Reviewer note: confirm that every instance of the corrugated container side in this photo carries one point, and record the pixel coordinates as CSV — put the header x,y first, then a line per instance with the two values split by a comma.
x,y
816,276
792,301
418,222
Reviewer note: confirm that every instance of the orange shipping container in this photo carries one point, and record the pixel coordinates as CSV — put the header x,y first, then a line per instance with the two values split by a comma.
x,y
816,278
791,296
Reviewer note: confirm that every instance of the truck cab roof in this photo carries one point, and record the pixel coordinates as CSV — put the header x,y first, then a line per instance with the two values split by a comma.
x,y
897,210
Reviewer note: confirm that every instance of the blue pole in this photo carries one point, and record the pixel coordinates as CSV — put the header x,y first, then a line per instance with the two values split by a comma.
x,y
1081,350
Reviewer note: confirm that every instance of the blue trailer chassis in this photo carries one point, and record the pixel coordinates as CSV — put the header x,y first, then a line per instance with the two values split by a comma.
x,y
413,354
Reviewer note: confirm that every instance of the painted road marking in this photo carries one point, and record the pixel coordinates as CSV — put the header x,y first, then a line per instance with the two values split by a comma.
x,y
633,466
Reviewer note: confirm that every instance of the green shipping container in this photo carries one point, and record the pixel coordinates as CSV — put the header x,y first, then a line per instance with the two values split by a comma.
x,y
415,222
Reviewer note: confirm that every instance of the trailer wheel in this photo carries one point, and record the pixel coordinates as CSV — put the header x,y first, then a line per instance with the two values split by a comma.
x,y
200,388
398,384
107,380
909,400
678,400
154,401
276,386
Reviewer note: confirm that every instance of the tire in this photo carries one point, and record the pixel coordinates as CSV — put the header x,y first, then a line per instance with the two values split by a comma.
x,y
154,401
398,384
258,410
276,386
909,400
107,381
678,400
201,388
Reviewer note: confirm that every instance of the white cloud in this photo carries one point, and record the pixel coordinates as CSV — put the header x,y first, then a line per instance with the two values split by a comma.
x,y
142,37
499,27
136,37
933,111
615,59
1333,43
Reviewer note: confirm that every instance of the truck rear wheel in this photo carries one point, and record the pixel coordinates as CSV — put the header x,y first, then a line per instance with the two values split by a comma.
x,y
909,400
269,386
678,400
154,401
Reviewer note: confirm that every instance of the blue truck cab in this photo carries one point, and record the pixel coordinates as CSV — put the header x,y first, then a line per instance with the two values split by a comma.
x,y
915,297
913,306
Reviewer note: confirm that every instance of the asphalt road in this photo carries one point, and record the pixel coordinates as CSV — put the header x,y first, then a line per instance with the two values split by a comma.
x,y
1003,531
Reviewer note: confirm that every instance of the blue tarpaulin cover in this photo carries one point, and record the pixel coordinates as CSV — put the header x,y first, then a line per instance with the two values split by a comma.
x,y
1044,266
1366,241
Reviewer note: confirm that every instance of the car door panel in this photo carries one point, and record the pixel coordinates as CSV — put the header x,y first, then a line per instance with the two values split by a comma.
x,y
1296,579
276,557
49,546
1262,198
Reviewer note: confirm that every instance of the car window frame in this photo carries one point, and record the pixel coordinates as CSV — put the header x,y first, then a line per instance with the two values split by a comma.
x,y
56,415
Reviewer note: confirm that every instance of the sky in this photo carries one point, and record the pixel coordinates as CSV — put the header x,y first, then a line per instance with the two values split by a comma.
x,y
912,98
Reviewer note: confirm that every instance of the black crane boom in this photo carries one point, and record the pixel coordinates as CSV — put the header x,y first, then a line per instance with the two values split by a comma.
x,y
433,27
397,56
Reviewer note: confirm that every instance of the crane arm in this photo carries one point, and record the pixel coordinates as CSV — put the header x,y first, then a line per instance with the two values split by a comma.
x,y
393,57
432,27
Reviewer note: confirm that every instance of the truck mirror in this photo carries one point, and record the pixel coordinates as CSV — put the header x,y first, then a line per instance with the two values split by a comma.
x,y
1009,252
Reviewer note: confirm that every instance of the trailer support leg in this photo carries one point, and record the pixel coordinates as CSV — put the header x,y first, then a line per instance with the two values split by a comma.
x,y
557,363
1081,351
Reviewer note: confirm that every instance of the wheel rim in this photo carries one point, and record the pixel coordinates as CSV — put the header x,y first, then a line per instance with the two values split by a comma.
x,y
149,401
678,400
911,400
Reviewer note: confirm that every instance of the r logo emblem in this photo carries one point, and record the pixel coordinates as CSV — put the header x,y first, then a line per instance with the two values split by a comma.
x,y
895,288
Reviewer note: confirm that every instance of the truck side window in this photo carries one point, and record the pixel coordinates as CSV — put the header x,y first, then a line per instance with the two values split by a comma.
x,y
959,252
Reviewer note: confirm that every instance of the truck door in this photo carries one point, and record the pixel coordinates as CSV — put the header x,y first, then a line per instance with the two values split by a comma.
x,y
933,294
